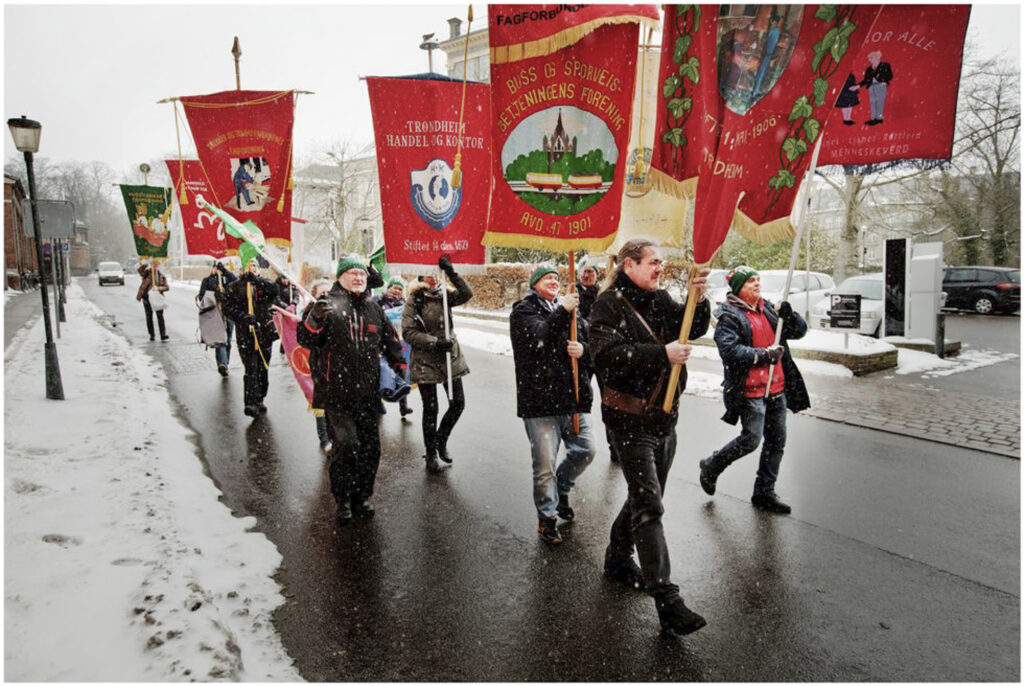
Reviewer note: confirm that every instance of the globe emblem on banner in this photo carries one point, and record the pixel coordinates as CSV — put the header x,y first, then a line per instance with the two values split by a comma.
x,y
432,195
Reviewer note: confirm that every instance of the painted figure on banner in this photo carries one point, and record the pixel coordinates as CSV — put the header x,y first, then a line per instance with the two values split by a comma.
x,y
848,99
877,78
755,44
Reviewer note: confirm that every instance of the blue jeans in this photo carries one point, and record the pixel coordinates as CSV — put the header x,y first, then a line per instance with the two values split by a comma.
x,y
545,433
223,352
759,417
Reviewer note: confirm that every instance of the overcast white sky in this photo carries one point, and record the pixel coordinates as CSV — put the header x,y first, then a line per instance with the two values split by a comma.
x,y
92,74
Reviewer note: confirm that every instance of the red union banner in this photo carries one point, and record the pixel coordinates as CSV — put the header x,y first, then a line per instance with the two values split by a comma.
x,y
562,89
416,125
776,71
204,232
244,141
899,99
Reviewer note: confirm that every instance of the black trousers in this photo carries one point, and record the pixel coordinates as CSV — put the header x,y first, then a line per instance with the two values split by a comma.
x,y
149,320
645,461
355,432
435,437
255,381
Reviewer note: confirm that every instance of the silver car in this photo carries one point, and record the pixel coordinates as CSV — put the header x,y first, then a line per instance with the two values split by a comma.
x,y
110,272
871,288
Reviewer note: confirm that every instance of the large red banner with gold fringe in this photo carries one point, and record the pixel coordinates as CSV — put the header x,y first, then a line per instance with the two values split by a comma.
x,y
776,71
561,100
244,142
899,100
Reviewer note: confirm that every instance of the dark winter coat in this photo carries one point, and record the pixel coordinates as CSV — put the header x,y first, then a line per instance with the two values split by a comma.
x,y
287,293
588,294
629,361
351,340
211,282
544,386
423,327
882,73
236,305
147,282
734,336
388,302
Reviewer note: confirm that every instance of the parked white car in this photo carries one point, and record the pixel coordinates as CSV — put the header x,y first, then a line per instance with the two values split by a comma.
x,y
871,288
110,272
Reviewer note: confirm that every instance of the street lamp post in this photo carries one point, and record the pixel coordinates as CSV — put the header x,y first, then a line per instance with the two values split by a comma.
x,y
26,139
429,44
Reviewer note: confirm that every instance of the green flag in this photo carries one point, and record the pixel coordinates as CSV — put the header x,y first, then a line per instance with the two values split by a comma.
x,y
149,211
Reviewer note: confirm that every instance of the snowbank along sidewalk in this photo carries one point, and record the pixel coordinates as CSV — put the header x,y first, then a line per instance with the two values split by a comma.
x,y
122,564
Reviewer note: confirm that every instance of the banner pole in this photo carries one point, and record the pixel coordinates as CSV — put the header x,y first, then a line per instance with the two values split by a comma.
x,y
572,337
447,333
795,252
236,50
684,335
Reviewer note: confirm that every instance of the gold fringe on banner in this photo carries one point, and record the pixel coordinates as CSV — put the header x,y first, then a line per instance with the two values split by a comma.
x,y
220,105
563,39
514,240
777,230
662,182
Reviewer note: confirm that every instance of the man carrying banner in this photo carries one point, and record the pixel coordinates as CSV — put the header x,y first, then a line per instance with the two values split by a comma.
x,y
545,395
352,332
247,301
631,322
220,277
745,336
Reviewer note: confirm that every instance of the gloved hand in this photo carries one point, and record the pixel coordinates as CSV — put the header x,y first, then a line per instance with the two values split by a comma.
x,y
445,263
444,345
774,353
322,308
244,319
785,309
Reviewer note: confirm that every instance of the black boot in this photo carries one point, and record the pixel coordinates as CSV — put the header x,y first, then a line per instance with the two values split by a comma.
x,y
623,570
443,454
344,515
563,509
677,619
433,464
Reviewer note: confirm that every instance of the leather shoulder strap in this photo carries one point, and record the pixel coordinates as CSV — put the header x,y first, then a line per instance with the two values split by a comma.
x,y
643,321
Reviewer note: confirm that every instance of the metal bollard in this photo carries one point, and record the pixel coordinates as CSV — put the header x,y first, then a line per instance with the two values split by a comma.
x,y
940,335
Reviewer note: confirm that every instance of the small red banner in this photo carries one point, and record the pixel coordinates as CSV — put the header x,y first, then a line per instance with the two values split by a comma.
x,y
562,92
416,128
204,232
900,98
244,141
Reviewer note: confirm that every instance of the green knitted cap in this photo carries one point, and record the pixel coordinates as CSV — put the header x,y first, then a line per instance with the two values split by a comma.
x,y
540,272
349,262
739,276
396,282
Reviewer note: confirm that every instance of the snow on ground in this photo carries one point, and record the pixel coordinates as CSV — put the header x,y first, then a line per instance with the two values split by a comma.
x,y
830,341
121,563
931,366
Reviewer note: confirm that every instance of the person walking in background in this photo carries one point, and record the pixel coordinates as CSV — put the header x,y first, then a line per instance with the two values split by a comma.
x,y
745,336
423,327
352,331
631,322
393,303
586,287
546,398
220,277
149,283
247,301
287,293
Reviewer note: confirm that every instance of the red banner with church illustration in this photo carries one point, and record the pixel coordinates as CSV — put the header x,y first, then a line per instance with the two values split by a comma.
x,y
204,232
244,142
424,216
562,80
900,97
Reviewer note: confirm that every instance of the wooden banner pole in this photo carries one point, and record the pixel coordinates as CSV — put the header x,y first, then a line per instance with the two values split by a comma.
x,y
572,337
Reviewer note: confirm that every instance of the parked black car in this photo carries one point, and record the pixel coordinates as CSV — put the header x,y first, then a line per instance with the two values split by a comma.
x,y
983,289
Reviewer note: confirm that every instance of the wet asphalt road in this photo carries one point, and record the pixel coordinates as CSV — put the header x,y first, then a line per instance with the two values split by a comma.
x,y
901,562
